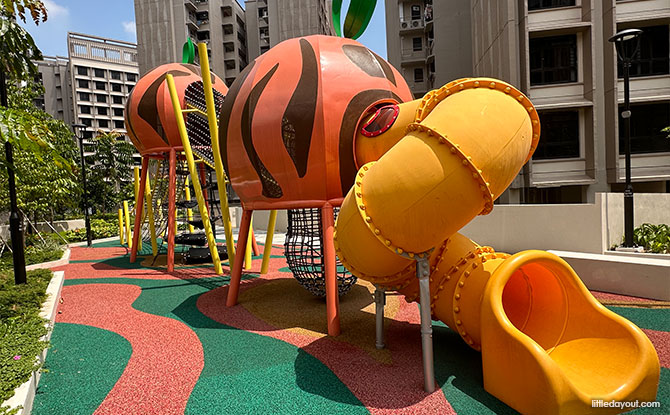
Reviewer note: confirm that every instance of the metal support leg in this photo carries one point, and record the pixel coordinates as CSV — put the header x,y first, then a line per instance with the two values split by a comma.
x,y
380,301
423,272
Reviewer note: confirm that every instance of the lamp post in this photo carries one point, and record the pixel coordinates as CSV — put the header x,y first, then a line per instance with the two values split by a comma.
x,y
87,220
627,44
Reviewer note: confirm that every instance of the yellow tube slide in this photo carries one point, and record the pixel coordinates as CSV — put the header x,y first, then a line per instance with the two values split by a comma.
x,y
547,345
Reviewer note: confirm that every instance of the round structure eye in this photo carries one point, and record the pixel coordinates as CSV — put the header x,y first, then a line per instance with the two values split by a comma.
x,y
381,121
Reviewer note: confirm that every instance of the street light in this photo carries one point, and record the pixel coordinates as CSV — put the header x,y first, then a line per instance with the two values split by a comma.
x,y
87,220
627,44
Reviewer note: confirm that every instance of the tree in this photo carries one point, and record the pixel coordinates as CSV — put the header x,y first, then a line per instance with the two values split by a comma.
x,y
110,172
46,182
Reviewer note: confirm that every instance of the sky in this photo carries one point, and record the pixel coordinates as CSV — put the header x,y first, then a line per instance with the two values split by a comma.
x,y
116,19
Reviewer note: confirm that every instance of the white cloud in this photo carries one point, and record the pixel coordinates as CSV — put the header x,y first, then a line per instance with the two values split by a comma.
x,y
55,10
130,28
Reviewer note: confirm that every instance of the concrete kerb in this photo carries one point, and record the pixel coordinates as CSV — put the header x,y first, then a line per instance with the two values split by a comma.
x,y
24,395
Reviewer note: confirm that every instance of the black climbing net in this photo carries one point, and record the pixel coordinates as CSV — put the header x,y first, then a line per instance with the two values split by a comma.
x,y
304,254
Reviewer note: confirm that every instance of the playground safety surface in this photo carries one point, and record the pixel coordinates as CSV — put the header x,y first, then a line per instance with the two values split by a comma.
x,y
133,339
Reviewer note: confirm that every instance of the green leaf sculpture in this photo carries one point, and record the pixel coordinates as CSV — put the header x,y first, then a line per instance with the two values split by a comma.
x,y
357,20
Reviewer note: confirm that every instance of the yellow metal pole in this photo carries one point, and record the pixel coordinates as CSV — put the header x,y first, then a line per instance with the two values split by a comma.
x,y
150,214
247,252
194,173
136,173
268,241
189,211
218,163
121,238
127,215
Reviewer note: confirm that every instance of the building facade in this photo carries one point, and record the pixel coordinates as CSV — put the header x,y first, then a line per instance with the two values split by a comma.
x,y
54,74
430,43
102,74
557,52
269,24
163,26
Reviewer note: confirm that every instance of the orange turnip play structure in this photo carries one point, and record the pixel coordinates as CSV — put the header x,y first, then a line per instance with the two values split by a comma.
x,y
321,122
288,127
152,126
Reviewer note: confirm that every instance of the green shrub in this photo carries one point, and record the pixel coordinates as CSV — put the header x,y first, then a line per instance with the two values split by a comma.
x,y
21,328
654,238
49,250
100,228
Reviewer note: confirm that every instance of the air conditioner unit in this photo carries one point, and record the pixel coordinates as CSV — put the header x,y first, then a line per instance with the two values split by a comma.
x,y
403,25
415,23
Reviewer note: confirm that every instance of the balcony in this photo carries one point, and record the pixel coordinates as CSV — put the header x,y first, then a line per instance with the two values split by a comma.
x,y
408,56
409,25
190,5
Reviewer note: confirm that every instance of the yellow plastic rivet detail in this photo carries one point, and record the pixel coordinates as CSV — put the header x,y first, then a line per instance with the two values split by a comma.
x,y
360,174
440,287
536,136
377,232
411,254
483,259
400,251
520,98
461,284
508,89
388,243
459,322
358,183
530,109
431,280
458,296
475,175
448,277
454,270
535,122
448,91
365,168
457,309
359,194
470,342
461,86
453,150
463,333
465,162
368,219
476,84
362,207
434,297
492,85
466,273
430,132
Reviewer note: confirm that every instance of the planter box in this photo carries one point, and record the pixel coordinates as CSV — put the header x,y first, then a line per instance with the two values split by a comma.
x,y
25,394
633,274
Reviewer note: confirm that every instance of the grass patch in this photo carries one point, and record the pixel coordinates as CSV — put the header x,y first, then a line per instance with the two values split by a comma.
x,y
35,254
21,328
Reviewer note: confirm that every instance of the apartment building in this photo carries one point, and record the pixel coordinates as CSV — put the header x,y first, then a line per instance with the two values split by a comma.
x,y
102,74
429,42
163,28
269,24
557,52
54,74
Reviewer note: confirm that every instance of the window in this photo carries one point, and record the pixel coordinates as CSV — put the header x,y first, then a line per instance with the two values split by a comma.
x,y
119,124
86,121
103,123
417,44
418,74
118,112
203,35
553,60
87,134
84,109
131,77
84,96
129,88
117,99
100,98
549,4
416,12
116,87
560,135
102,110
646,123
100,85
82,70
100,73
653,57
115,75
81,83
